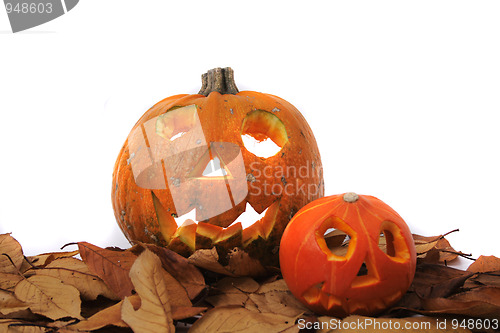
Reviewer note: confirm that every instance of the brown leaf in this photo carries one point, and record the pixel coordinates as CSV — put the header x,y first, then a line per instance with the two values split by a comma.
x,y
281,303
485,264
490,279
238,319
48,296
231,291
111,266
273,297
44,259
209,259
435,249
9,303
19,326
446,252
481,302
179,313
279,299
276,285
111,316
75,272
155,314
437,280
424,244
178,266
431,281
10,248
241,264
177,295
9,281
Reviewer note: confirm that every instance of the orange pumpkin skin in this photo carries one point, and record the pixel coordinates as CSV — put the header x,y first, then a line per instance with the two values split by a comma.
x,y
327,281
146,199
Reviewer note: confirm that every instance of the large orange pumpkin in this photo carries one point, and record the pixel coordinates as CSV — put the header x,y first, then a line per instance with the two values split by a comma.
x,y
186,157
347,254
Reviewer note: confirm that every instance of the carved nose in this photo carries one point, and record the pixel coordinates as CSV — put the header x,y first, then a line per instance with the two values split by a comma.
x,y
214,169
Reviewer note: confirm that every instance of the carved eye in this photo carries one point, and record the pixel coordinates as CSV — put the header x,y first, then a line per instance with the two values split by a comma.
x,y
392,242
263,133
336,239
177,122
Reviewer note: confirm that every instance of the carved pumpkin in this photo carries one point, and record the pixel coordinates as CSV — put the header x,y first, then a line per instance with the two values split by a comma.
x,y
347,254
185,176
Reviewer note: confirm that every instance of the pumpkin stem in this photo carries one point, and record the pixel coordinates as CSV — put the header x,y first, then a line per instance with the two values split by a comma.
x,y
351,197
220,80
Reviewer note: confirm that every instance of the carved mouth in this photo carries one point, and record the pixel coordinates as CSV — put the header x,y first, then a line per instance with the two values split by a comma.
x,y
342,305
248,226
247,218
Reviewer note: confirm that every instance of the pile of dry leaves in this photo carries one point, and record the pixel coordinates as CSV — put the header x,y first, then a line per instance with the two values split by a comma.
x,y
151,289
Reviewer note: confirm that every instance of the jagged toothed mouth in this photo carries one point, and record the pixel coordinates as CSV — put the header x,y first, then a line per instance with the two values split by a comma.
x,y
318,295
248,226
246,218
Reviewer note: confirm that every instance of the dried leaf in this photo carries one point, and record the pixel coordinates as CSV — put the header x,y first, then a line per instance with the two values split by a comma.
x,y
485,264
230,294
437,280
435,249
179,313
9,281
178,266
273,297
44,259
10,248
241,264
18,326
155,314
446,252
430,281
241,320
209,259
281,303
424,244
490,279
48,296
9,303
479,302
277,285
177,295
111,316
75,272
111,266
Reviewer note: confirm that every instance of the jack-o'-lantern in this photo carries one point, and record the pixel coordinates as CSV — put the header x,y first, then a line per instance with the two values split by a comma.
x,y
191,169
347,254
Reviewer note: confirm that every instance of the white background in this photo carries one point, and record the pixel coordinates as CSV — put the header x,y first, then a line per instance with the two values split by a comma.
x,y
402,96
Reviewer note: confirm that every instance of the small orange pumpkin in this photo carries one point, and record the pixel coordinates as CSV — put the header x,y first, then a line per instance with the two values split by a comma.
x,y
347,254
187,155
